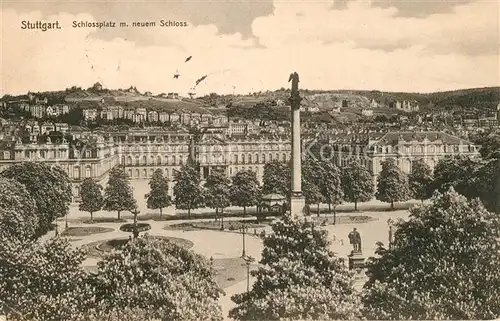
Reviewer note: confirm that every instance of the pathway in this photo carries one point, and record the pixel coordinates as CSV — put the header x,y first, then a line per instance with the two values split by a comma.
x,y
219,244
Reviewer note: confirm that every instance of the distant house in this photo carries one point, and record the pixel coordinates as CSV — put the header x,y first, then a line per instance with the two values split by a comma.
x,y
163,116
280,102
174,118
367,112
97,86
407,106
43,100
153,116
90,114
173,96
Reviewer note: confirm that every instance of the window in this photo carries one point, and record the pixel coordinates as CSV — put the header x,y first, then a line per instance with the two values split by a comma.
x,y
88,172
158,160
76,172
88,154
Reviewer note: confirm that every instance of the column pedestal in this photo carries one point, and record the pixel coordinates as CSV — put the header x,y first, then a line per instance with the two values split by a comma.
x,y
297,205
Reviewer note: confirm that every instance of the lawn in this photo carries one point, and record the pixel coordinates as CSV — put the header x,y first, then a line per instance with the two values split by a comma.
x,y
342,219
231,271
216,225
85,231
100,248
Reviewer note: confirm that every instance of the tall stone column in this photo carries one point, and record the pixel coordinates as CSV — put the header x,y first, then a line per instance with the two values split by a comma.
x,y
297,200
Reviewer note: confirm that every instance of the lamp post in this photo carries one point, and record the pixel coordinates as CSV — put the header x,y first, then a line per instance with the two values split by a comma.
x,y
390,222
248,261
66,220
243,230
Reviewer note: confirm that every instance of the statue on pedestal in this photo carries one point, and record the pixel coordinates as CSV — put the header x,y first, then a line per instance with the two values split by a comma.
x,y
355,240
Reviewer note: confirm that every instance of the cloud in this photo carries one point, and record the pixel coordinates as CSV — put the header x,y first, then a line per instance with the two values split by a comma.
x,y
228,16
460,31
358,47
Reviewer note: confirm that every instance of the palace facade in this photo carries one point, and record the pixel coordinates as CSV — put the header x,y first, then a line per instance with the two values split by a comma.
x,y
141,152
371,149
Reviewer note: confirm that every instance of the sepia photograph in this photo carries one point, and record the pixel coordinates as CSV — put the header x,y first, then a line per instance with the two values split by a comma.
x,y
185,160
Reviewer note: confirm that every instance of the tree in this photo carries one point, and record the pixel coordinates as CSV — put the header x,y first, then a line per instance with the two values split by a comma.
x,y
18,216
489,184
392,184
358,183
42,281
490,144
331,186
160,278
276,178
245,190
91,197
300,278
188,194
49,187
443,264
311,177
218,192
118,194
158,197
420,180
460,172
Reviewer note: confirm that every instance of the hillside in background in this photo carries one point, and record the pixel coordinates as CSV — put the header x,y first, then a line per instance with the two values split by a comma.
x,y
481,100
484,99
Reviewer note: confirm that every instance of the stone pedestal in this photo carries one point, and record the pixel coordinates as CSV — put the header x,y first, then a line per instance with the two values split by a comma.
x,y
297,205
356,261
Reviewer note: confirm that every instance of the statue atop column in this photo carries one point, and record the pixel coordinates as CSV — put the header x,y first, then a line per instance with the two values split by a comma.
x,y
294,97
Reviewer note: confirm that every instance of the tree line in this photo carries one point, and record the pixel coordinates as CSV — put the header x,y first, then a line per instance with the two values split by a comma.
x,y
442,264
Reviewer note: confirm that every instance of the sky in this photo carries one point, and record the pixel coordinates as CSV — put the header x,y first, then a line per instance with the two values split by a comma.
x,y
246,46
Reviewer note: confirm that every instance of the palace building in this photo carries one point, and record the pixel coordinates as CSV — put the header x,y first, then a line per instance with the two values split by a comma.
x,y
370,149
141,152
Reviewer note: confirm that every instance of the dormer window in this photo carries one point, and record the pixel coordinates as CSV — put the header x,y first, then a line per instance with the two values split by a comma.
x,y
88,154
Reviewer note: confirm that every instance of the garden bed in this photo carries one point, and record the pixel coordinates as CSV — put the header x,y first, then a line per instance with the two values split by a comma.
x,y
99,249
104,220
212,225
141,227
342,219
231,271
185,216
85,231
